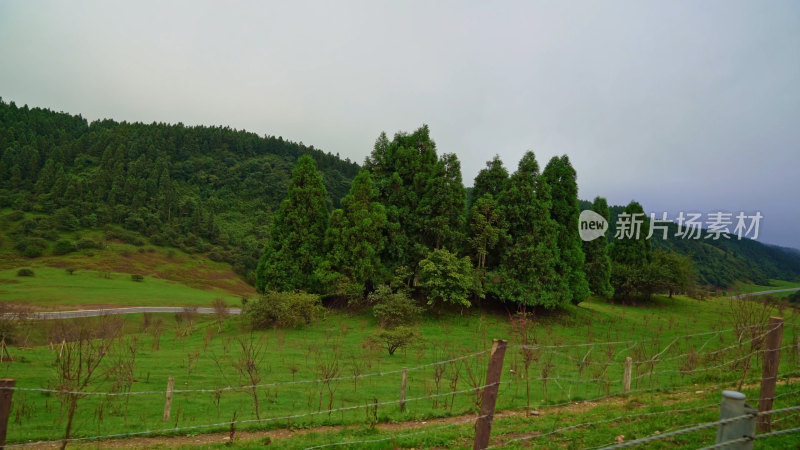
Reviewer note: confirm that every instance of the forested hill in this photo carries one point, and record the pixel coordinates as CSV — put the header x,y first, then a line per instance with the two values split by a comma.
x,y
203,189
723,262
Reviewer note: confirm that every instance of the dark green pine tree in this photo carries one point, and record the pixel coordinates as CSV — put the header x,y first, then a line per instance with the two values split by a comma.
x,y
527,273
295,248
490,180
441,209
423,196
354,241
564,209
486,227
598,263
635,251
486,230
630,255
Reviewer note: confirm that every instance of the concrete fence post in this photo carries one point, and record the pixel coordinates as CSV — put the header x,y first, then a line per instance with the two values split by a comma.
x,y
733,405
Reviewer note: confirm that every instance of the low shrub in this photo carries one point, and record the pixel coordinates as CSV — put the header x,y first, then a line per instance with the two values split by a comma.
x,y
63,247
15,216
393,309
31,247
88,244
283,309
137,277
25,273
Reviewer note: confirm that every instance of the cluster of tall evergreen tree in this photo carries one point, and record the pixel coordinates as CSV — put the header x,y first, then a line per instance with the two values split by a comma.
x,y
407,220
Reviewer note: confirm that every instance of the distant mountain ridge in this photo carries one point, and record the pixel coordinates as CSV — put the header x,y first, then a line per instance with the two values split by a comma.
x,y
723,262
202,189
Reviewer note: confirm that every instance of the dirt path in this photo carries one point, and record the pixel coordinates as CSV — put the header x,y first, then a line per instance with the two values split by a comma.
x,y
773,291
49,315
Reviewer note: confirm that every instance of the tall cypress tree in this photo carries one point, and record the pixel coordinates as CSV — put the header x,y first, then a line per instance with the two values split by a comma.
x,y
441,208
490,180
635,251
354,241
630,256
527,273
598,263
295,248
423,195
564,209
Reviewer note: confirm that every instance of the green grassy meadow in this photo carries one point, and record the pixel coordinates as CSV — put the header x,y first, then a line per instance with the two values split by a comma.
x,y
569,350
53,288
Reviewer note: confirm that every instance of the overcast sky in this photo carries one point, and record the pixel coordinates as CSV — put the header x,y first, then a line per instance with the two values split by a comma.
x,y
681,105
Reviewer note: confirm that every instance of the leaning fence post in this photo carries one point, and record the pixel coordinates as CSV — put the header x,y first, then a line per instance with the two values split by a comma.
x,y
403,390
769,375
6,392
626,380
168,400
733,405
483,426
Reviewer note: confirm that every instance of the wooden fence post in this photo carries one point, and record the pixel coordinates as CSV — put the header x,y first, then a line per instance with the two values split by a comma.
x,y
769,375
483,426
168,400
403,389
6,392
626,380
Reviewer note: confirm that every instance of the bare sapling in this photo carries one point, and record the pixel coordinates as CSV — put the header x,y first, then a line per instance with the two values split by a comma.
x,y
85,345
455,373
221,312
327,371
121,369
248,365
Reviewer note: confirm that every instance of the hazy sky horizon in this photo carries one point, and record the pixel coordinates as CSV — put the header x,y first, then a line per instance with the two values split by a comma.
x,y
682,106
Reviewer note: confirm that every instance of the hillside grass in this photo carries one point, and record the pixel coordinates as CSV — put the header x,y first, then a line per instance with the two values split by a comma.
x,y
53,289
202,357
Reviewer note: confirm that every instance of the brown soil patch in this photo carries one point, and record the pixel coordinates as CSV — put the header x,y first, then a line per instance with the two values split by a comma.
x,y
196,273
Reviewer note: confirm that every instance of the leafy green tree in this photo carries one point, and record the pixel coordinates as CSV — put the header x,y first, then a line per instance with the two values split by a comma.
x,y
354,241
396,338
295,248
446,278
393,309
527,273
564,210
678,273
598,263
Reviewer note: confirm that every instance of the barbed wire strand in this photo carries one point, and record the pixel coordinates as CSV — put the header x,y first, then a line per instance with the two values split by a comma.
x,y
702,426
250,421
256,386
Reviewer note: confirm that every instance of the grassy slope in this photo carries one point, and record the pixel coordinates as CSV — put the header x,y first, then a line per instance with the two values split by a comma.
x,y
54,289
203,360
172,277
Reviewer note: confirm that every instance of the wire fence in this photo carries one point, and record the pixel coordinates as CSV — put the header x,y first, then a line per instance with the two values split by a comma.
x,y
683,364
